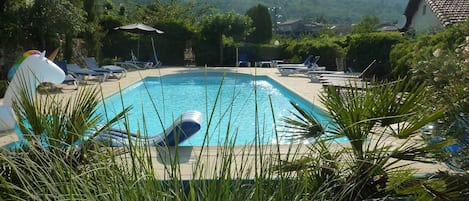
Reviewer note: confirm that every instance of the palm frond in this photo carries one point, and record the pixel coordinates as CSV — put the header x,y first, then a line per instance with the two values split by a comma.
x,y
302,125
53,122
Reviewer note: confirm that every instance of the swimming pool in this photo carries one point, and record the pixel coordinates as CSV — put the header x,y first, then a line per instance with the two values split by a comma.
x,y
237,108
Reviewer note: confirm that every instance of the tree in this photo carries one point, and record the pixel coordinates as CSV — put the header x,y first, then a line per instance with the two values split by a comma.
x,y
366,25
52,18
230,25
14,18
94,33
366,47
262,24
114,42
177,20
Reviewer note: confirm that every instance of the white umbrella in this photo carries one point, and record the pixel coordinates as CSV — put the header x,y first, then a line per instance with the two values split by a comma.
x,y
141,29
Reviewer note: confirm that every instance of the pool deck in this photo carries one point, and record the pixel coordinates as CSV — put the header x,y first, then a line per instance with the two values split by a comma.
x,y
208,157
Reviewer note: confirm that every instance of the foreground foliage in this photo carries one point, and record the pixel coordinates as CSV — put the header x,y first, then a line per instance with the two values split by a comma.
x,y
440,60
381,124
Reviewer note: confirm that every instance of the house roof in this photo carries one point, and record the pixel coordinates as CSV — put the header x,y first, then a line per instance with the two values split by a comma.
x,y
448,12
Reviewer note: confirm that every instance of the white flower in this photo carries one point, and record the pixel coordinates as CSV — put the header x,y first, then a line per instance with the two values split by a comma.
x,y
437,52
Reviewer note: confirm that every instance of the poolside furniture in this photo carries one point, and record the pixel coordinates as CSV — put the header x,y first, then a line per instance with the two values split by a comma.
x,y
182,128
351,75
189,57
112,70
344,83
83,73
310,64
346,80
154,61
134,63
309,60
128,65
314,75
69,77
276,62
243,61
264,64
329,76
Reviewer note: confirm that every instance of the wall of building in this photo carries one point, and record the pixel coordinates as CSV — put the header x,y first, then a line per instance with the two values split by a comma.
x,y
425,21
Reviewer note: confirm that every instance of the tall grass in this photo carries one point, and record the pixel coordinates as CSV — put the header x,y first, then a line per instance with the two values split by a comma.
x,y
66,170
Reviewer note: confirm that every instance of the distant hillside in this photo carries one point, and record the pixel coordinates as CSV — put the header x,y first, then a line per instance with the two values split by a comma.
x,y
331,11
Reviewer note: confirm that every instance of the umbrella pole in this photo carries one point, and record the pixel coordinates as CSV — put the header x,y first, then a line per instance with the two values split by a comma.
x,y
138,48
154,52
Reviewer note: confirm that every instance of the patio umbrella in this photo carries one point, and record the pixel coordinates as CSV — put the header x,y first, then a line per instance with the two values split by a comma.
x,y
138,28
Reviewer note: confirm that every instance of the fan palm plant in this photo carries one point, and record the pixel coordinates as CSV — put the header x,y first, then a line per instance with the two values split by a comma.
x,y
370,119
55,138
48,120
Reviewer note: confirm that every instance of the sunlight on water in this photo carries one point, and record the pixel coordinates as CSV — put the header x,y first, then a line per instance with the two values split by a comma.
x,y
265,85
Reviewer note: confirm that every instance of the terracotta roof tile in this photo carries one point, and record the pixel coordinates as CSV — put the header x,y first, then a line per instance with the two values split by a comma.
x,y
450,11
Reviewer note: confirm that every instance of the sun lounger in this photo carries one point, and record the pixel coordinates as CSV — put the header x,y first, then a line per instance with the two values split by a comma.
x,y
82,73
343,83
307,65
314,75
243,60
182,128
69,77
286,71
352,75
153,62
113,70
128,65
346,80
134,63
336,76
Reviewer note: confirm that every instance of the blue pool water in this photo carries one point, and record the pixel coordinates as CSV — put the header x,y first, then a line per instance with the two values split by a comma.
x,y
234,106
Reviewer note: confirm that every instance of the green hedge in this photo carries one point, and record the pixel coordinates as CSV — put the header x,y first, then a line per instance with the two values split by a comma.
x,y
364,48
400,59
410,54
328,48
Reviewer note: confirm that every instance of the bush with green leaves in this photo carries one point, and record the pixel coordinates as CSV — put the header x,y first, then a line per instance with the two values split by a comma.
x,y
381,125
364,48
406,56
440,61
262,23
400,59
215,30
446,74
327,47
366,25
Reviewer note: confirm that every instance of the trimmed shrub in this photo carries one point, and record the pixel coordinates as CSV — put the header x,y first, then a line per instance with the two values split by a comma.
x,y
266,52
364,48
328,48
400,59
